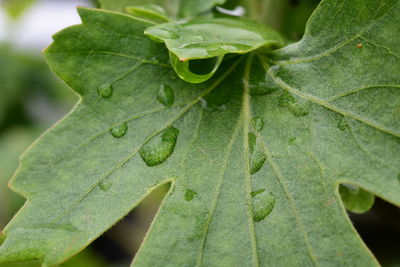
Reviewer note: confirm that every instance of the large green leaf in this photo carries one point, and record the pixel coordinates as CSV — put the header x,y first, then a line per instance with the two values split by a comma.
x,y
181,8
255,160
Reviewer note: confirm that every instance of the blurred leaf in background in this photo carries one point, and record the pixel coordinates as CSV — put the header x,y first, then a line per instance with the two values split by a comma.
x,y
15,8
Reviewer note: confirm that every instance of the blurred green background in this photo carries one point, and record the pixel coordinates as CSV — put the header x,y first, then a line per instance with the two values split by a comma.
x,y
32,99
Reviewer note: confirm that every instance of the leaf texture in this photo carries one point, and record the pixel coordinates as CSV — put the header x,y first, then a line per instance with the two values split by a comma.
x,y
254,156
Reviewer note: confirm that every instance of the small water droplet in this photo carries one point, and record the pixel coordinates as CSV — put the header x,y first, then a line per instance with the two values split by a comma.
x,y
255,193
159,148
291,103
257,123
106,92
105,185
343,125
162,33
166,95
211,107
257,156
198,38
292,140
262,85
263,204
119,130
190,194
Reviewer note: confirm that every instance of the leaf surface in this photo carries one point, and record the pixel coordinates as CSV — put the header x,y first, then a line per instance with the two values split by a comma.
x,y
255,155
176,8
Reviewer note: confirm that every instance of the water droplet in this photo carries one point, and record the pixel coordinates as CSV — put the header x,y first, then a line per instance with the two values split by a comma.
x,y
161,34
189,194
166,95
255,193
106,92
211,107
159,148
257,160
105,185
292,104
292,140
198,38
195,70
263,204
257,156
257,123
252,142
343,125
262,85
119,130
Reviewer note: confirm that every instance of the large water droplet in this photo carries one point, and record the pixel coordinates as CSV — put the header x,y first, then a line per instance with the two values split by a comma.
x,y
355,198
197,70
292,104
106,92
257,123
190,194
119,130
257,156
343,125
263,203
166,95
160,147
105,184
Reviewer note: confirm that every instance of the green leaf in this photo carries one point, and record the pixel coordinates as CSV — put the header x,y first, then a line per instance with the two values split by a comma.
x,y
329,109
176,8
150,12
15,8
210,39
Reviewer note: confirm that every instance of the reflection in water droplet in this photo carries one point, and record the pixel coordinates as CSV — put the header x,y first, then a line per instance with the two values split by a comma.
x,y
160,147
343,125
106,92
291,103
263,204
257,156
105,185
189,194
166,95
257,123
119,130
196,70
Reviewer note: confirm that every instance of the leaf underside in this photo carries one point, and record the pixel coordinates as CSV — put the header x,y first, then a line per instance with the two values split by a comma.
x,y
255,155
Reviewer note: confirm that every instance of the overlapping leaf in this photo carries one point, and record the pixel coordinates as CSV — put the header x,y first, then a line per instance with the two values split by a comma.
x,y
254,156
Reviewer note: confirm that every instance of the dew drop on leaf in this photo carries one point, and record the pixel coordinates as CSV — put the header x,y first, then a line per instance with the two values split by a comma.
x,y
296,108
257,156
342,124
166,95
119,130
159,148
263,203
190,194
106,92
105,185
257,123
